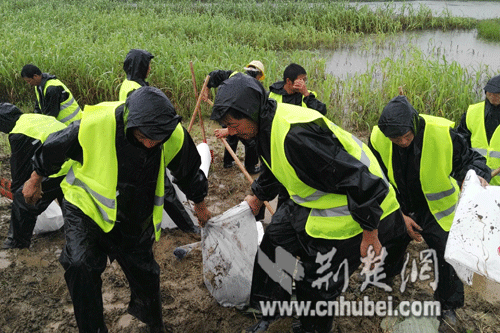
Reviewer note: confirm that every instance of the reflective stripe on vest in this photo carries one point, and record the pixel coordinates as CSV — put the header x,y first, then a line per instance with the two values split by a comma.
x,y
479,139
439,188
279,98
329,217
39,126
69,109
93,188
127,87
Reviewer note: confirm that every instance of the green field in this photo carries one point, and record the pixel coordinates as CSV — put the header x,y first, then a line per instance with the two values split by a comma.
x,y
85,42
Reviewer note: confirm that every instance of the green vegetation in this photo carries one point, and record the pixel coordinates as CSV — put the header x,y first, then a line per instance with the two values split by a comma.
x,y
85,42
489,30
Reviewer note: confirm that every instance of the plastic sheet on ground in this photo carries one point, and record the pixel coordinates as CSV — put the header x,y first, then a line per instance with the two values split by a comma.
x,y
229,245
474,239
50,220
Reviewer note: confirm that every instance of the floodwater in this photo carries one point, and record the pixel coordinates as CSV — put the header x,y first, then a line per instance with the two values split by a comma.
x,y
475,9
461,46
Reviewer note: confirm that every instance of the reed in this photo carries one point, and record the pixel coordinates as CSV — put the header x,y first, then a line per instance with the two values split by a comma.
x,y
489,30
84,43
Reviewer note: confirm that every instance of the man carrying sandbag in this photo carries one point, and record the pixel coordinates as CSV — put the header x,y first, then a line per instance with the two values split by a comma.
x,y
339,201
26,133
423,159
114,198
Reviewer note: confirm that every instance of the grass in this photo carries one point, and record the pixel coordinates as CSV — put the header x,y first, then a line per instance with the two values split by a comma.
x,y
489,30
84,43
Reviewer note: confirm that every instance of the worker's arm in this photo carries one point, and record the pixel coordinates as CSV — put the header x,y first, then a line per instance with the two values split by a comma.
x,y
217,77
22,149
313,103
49,157
185,168
54,95
465,159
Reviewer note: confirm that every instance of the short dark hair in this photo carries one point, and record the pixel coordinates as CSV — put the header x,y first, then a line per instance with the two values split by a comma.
x,y
30,70
238,115
292,71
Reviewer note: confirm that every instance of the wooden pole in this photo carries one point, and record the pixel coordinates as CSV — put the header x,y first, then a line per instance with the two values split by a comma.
x,y
197,107
245,172
495,172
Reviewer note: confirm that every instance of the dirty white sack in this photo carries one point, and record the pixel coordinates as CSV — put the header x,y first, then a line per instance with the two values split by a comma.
x,y
474,238
229,245
50,220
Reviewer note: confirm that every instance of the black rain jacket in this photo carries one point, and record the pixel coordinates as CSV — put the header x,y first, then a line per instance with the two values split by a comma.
x,y
137,166
296,98
319,160
406,161
136,65
50,102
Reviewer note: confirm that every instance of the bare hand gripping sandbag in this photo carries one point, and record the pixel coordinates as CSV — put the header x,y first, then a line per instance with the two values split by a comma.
x,y
229,245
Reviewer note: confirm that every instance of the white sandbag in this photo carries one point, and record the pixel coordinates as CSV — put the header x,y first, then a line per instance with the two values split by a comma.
x,y
206,157
50,220
229,245
474,238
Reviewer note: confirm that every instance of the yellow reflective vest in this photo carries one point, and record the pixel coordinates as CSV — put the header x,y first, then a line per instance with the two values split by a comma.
x,y
279,98
92,186
440,189
127,87
39,126
329,217
69,110
479,140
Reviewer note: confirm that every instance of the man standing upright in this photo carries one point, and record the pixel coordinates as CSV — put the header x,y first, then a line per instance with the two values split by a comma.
x,y
113,198
53,97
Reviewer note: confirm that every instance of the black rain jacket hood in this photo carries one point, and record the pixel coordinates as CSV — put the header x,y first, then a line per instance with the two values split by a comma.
x,y
242,93
398,117
136,65
150,111
493,85
9,114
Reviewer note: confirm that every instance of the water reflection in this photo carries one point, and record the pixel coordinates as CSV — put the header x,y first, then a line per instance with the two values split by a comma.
x,y
460,46
475,9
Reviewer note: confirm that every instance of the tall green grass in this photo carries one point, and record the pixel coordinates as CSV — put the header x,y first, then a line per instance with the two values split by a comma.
x,y
489,30
85,42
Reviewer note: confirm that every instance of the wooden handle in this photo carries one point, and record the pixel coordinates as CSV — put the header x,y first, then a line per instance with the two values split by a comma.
x,y
245,172
197,107
495,172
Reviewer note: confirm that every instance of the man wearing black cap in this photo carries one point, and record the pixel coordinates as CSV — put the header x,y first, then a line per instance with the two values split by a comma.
x,y
339,201
423,158
26,133
114,198
480,125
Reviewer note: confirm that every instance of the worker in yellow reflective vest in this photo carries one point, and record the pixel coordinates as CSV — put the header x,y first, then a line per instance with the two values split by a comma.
x,y
113,198
137,66
423,158
53,97
480,125
340,204
26,133
293,89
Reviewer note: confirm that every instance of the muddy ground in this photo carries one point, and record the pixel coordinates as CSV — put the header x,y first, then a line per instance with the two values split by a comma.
x,y
34,297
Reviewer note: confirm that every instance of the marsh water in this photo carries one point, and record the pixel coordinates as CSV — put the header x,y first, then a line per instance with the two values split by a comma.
x,y
464,47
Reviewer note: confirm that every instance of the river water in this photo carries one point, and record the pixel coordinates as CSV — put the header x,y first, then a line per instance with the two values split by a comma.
x,y
461,46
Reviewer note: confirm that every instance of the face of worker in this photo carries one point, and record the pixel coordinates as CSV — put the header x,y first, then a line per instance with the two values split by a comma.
x,y
494,98
295,86
242,128
36,80
148,143
404,140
